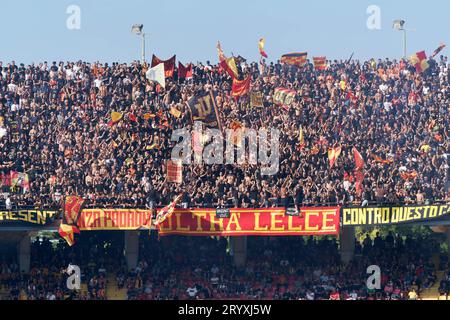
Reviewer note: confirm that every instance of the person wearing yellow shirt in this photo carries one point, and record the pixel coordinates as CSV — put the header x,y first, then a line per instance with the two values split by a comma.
x,y
412,295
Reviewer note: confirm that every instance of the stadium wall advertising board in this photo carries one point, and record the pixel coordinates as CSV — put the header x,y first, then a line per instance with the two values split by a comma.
x,y
27,217
267,221
367,216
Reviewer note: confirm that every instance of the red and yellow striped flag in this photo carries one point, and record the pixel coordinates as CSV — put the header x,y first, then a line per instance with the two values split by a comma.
x,y
67,232
296,58
320,63
241,87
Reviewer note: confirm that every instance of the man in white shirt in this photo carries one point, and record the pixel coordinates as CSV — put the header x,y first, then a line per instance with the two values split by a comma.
x,y
192,291
8,203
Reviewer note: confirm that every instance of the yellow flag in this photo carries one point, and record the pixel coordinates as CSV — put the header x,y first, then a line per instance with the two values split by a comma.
x,y
151,147
232,64
300,137
149,116
116,116
175,112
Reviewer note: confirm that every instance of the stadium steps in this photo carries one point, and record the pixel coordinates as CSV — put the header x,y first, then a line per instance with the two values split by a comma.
x,y
436,259
4,292
112,292
84,288
433,292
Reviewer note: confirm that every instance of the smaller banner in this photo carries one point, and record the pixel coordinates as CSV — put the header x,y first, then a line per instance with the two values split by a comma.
x,y
297,59
369,216
266,221
284,97
320,63
185,72
174,171
256,99
203,108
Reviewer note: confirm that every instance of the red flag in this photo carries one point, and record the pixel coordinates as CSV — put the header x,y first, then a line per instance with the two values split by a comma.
x,y
6,179
184,72
132,117
381,160
241,87
169,65
409,175
358,187
419,60
359,161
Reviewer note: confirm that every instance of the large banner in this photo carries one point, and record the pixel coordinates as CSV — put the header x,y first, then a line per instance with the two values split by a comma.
x,y
369,216
27,218
203,108
114,219
265,222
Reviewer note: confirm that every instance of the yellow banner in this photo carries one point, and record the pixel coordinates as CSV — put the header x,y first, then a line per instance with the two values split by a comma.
x,y
361,216
35,217
114,219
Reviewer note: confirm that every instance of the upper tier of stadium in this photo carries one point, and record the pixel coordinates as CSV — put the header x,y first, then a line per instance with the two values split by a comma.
x,y
54,127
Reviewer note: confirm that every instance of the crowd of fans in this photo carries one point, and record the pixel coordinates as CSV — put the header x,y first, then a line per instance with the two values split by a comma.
x,y
296,268
54,127
47,278
199,268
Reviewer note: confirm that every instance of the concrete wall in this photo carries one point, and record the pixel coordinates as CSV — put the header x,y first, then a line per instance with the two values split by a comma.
x,y
131,248
24,252
239,248
347,243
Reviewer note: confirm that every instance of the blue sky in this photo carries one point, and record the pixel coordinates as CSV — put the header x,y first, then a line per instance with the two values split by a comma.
x,y
34,31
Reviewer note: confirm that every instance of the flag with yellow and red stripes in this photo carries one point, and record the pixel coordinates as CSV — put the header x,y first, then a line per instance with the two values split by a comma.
x,y
296,58
320,63
72,207
67,232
